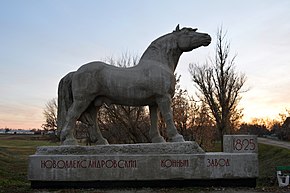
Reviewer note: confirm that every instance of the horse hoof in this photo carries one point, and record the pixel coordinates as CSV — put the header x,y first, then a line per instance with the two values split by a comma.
x,y
102,142
158,139
63,135
177,138
70,142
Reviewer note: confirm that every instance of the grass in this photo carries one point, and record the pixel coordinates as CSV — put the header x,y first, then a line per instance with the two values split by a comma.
x,y
269,158
14,152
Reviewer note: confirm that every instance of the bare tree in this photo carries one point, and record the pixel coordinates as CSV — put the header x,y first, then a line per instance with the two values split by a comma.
x,y
220,85
180,106
50,115
201,125
124,124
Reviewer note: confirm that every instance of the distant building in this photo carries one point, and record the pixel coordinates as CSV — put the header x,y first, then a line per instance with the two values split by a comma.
x,y
19,132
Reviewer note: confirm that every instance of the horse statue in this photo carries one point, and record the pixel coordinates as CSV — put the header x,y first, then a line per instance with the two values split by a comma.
x,y
152,82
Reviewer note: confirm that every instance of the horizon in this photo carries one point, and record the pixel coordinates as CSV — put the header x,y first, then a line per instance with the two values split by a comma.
x,y
41,41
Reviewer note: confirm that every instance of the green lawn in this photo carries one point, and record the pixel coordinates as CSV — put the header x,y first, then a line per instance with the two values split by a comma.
x,y
14,152
269,158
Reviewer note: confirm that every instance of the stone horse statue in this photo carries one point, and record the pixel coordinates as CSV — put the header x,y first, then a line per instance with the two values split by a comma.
x,y
151,82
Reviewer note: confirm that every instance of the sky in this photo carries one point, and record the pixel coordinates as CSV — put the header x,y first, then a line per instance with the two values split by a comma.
x,y
42,40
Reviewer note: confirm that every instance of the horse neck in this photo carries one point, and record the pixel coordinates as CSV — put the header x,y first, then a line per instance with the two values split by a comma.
x,y
169,57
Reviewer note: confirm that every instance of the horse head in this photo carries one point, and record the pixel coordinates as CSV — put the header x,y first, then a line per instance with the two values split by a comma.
x,y
188,39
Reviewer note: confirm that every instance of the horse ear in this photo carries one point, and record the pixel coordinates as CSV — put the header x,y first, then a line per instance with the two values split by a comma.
x,y
177,28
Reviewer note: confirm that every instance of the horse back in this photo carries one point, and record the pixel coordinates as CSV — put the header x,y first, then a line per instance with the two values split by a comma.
x,y
136,85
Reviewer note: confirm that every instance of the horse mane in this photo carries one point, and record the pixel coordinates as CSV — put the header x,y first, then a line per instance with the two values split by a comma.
x,y
167,42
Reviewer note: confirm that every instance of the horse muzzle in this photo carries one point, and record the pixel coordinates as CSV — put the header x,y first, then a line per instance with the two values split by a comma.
x,y
207,40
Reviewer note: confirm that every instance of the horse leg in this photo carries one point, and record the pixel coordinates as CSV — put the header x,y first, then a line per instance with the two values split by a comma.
x,y
75,111
94,130
154,133
90,118
164,104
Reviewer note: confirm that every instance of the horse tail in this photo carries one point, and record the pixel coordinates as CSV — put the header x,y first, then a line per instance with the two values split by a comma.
x,y
65,100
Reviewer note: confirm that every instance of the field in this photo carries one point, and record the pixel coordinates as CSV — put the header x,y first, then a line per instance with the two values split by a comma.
x,y
14,152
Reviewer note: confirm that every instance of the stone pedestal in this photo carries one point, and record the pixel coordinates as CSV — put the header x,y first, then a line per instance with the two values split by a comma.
x,y
140,164
240,144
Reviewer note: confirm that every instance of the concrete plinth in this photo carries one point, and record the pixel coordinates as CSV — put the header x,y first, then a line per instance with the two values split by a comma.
x,y
240,144
169,162
142,167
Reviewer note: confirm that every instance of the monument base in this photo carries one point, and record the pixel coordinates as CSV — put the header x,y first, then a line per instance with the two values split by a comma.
x,y
168,164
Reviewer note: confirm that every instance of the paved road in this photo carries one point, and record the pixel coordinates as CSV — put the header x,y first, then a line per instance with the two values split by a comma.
x,y
274,142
